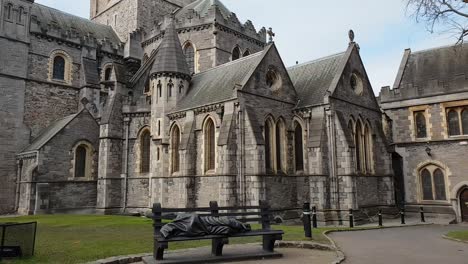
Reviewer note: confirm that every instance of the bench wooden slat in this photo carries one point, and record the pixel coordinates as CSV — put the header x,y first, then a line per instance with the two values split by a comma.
x,y
246,234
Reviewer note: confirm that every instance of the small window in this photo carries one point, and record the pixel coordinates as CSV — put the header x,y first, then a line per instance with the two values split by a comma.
x,y
80,161
464,117
159,89
433,184
8,11
246,53
210,147
299,147
181,87
20,15
59,68
420,124
145,145
280,146
175,143
236,54
189,52
426,185
453,123
108,74
147,87
268,146
170,87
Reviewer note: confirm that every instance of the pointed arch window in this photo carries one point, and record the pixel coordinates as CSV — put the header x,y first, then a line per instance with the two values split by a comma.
x,y
181,87
299,147
59,68
433,187
420,124
453,123
210,147
8,11
358,143
189,52
145,145
269,145
175,144
368,148
80,161
246,53
236,53
20,14
159,86
108,74
170,87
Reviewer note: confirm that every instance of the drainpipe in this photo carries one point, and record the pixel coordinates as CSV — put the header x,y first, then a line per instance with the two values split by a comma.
x,y
125,170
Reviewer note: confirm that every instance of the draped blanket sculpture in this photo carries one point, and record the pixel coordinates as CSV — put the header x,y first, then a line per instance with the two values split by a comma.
x,y
194,225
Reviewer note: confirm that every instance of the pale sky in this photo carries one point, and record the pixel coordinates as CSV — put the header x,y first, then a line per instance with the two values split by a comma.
x,y
310,29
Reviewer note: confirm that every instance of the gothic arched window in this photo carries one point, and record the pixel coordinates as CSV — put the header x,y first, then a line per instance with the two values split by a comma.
x,y
453,123
159,86
236,53
210,147
8,11
358,142
170,87
59,68
20,14
108,74
420,123
80,161
280,146
464,118
433,184
175,155
368,148
299,147
269,145
145,145
181,87
246,53
189,52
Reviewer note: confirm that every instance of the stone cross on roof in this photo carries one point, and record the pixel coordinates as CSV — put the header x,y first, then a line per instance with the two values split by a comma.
x,y
271,34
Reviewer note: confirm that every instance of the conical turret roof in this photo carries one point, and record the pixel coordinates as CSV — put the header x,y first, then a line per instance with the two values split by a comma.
x,y
170,57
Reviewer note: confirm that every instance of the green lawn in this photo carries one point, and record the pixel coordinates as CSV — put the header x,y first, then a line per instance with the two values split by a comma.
x,y
77,239
462,235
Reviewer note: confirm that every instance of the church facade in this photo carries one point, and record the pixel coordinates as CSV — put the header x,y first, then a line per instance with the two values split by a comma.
x,y
179,102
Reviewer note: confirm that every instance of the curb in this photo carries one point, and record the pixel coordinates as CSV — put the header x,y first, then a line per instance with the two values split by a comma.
x,y
454,239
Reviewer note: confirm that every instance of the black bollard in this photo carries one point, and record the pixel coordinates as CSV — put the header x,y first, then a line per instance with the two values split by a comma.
x,y
314,217
306,220
380,218
423,219
402,215
351,218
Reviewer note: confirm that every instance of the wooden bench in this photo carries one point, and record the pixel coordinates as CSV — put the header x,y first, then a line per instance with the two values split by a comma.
x,y
245,214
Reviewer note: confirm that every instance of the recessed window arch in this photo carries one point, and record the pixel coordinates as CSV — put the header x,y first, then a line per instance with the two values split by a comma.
x,y
246,53
189,51
280,145
432,183
159,87
83,160
269,143
20,14
358,142
420,124
368,148
175,145
8,11
108,73
298,146
236,53
145,150
210,145
170,88
363,147
453,123
60,64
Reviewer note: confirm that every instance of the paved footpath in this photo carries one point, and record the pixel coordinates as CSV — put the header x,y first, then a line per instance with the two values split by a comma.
x,y
417,244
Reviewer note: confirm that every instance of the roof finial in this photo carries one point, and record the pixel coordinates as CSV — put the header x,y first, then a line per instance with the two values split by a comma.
x,y
351,36
271,34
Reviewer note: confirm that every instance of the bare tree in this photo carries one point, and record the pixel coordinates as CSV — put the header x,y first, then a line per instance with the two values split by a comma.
x,y
447,16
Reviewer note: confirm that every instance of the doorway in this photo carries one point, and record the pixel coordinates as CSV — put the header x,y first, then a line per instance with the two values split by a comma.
x,y
464,204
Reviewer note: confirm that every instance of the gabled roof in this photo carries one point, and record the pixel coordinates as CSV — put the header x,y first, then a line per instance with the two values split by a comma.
x,y
218,84
48,133
443,64
201,8
67,22
170,57
313,79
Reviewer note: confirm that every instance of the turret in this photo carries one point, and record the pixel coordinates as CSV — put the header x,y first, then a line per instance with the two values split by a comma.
x,y
15,17
169,80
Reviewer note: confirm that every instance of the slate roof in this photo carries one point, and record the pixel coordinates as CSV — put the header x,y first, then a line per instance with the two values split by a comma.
x,y
170,57
47,15
312,79
443,64
49,132
218,84
201,8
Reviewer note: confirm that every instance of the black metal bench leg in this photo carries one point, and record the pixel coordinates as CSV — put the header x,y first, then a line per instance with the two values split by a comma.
x,y
158,253
217,245
269,243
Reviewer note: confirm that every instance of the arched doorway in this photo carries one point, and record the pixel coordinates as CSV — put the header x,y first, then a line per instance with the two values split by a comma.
x,y
464,205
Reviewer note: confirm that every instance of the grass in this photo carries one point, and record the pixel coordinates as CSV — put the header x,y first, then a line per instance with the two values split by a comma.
x,y
76,239
461,235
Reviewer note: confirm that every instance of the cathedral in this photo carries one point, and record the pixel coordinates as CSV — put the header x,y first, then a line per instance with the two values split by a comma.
x,y
178,102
